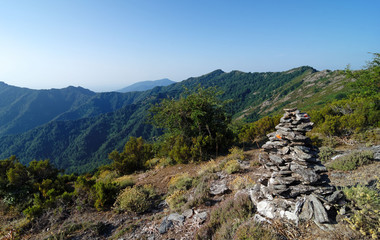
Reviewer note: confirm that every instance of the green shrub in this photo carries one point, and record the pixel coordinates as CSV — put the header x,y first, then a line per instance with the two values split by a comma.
x,y
125,181
106,193
255,131
137,199
365,203
315,139
352,161
136,152
236,154
151,163
231,167
177,199
181,181
325,153
164,162
226,218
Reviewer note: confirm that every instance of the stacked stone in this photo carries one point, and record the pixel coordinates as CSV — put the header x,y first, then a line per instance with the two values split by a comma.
x,y
293,160
297,187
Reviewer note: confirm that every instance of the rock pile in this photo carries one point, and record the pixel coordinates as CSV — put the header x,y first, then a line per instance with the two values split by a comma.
x,y
297,187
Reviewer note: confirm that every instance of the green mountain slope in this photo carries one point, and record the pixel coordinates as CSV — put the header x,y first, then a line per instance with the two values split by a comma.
x,y
22,109
81,138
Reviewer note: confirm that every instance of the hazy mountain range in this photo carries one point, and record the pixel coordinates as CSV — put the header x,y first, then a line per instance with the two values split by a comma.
x,y
146,85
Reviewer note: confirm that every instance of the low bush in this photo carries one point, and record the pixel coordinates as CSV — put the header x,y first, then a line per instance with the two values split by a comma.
x,y
137,199
181,181
352,161
226,218
208,167
151,163
177,199
231,167
365,202
166,161
125,181
325,153
106,193
236,154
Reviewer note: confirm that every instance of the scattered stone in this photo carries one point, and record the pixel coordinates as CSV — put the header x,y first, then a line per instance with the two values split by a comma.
x,y
188,213
260,219
176,217
266,208
201,217
165,225
320,214
335,197
218,188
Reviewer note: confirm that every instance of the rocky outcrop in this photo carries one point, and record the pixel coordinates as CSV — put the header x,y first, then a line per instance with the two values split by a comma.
x,y
298,188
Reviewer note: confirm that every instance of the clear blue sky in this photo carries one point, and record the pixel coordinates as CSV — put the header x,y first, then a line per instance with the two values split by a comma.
x,y
107,45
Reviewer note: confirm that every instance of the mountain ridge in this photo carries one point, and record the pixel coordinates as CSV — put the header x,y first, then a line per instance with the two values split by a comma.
x,y
81,138
146,85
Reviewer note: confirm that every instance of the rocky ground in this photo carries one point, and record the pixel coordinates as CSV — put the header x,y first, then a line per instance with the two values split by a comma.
x,y
163,224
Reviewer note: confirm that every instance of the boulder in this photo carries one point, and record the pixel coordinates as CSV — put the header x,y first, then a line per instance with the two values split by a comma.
x,y
165,225
176,218
218,188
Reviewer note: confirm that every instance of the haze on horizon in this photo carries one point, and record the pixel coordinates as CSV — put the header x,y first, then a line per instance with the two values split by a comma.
x,y
107,45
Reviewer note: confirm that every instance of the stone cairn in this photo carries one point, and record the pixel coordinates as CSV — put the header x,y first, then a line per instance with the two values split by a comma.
x,y
297,187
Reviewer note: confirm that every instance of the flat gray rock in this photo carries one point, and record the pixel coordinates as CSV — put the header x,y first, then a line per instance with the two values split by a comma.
x,y
176,217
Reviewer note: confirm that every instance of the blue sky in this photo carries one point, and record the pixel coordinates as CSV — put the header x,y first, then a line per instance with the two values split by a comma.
x,y
107,45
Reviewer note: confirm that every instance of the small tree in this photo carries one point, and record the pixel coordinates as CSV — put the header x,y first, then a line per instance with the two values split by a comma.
x,y
136,153
195,125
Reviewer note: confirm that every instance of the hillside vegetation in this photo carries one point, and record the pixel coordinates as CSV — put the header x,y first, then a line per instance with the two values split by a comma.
x,y
145,180
80,138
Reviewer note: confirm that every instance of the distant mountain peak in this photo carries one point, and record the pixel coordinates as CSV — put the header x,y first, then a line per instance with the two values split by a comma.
x,y
146,85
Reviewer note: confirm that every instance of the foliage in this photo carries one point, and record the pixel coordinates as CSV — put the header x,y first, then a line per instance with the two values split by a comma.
x,y
196,125
136,153
345,117
365,203
106,193
181,181
325,153
137,199
125,181
236,154
177,199
367,82
232,166
352,161
255,131
227,217
361,111
34,188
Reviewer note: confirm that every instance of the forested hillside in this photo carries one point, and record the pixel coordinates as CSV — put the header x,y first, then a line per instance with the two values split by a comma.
x,y
22,109
82,135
